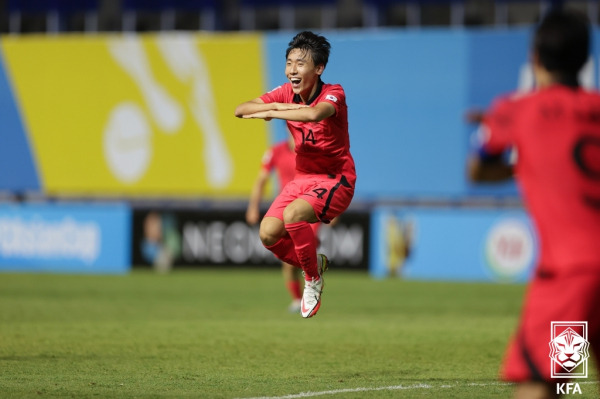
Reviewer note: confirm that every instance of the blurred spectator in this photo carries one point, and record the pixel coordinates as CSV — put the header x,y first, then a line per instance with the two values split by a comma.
x,y
161,244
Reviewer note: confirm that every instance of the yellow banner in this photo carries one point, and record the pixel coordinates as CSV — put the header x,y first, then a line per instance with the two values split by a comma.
x,y
140,114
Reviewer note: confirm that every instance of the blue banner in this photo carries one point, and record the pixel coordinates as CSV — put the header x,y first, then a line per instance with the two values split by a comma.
x,y
65,238
452,244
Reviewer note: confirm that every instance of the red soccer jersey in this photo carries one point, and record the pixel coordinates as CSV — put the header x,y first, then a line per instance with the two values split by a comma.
x,y
556,132
282,159
321,147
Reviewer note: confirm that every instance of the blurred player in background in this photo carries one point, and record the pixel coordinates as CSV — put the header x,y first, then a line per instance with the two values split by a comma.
x,y
280,159
555,131
323,187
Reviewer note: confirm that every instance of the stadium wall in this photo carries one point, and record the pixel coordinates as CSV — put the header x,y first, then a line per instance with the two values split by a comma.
x,y
151,116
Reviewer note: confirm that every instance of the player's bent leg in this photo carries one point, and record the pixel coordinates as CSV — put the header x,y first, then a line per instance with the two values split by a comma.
x,y
276,239
305,246
297,216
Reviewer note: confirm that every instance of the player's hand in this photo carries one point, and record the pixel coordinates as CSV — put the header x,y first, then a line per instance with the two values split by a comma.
x,y
474,116
252,216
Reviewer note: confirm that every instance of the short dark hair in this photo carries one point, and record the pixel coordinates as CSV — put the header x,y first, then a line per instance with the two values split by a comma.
x,y
317,45
562,41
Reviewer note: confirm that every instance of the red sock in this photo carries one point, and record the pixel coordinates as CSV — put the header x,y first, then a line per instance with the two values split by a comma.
x,y
294,289
306,251
284,250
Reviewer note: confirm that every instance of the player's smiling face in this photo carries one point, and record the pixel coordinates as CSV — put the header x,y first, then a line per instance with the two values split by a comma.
x,y
302,73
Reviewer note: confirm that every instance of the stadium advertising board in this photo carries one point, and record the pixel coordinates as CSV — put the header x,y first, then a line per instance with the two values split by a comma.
x,y
168,238
66,238
452,244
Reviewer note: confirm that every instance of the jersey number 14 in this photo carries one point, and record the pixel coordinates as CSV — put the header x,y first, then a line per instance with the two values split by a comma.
x,y
308,137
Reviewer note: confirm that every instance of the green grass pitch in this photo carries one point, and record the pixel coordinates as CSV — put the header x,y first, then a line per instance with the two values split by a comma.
x,y
226,334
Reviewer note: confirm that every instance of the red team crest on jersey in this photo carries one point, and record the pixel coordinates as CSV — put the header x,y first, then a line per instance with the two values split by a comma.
x,y
569,349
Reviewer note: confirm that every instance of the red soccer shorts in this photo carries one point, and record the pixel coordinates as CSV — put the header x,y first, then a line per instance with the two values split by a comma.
x,y
329,195
567,298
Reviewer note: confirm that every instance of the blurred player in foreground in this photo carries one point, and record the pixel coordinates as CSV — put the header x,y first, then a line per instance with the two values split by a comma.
x,y
323,187
281,159
556,133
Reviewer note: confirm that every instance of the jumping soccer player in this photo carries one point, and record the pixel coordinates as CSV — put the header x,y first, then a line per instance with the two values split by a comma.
x,y
323,187
556,133
281,159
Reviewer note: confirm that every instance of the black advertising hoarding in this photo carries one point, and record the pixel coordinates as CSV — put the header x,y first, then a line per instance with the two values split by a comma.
x,y
194,238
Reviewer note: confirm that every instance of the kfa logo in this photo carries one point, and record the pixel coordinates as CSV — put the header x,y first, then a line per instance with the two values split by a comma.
x,y
569,349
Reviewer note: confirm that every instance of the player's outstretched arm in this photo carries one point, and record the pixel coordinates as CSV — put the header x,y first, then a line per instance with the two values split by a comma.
x,y
302,113
250,107
257,105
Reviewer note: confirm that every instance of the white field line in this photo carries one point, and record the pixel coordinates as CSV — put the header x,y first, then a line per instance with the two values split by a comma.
x,y
389,388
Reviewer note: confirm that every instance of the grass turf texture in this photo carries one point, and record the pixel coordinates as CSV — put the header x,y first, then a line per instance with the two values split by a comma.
x,y
226,334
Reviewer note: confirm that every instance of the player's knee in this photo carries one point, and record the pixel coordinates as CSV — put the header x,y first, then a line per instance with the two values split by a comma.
x,y
267,239
290,215
295,213
270,233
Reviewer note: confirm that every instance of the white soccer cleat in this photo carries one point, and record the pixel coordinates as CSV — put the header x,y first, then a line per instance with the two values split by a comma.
x,y
311,298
